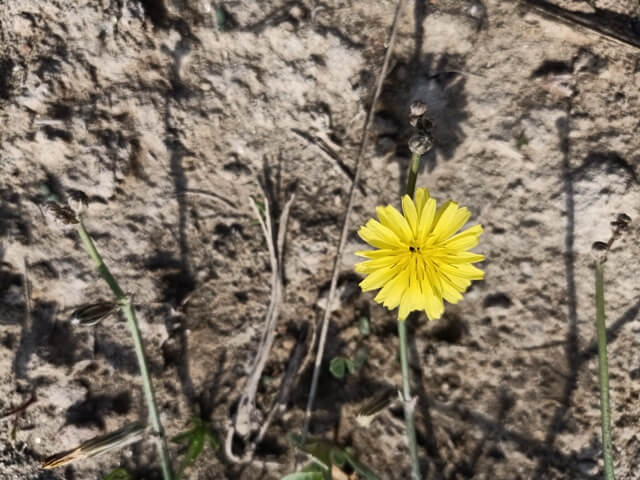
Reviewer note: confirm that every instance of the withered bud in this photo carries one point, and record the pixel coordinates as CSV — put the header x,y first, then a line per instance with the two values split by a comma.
x,y
600,247
622,221
60,213
78,201
419,118
599,251
92,314
417,109
420,143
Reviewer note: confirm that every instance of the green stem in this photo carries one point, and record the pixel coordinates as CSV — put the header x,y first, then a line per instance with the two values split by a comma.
x,y
129,313
413,174
409,404
605,408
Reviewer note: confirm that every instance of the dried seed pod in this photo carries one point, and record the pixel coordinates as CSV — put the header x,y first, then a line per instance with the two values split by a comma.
x,y
78,201
127,435
417,109
375,406
598,247
420,143
92,314
60,213
623,220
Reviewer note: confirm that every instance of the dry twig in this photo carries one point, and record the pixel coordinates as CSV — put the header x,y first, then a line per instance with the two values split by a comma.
x,y
609,25
345,224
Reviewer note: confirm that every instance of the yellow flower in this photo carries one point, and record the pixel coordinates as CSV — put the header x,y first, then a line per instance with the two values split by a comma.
x,y
419,261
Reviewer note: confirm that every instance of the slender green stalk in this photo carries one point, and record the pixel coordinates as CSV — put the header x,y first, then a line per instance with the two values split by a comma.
x,y
413,174
132,322
409,404
605,407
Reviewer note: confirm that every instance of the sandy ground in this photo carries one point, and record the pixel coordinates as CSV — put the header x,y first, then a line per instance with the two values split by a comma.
x,y
170,114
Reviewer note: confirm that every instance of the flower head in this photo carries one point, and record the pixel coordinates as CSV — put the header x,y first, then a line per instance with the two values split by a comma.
x,y
419,259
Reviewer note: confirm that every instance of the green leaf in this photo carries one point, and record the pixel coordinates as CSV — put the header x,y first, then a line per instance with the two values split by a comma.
x,y
337,367
338,457
323,454
212,439
119,474
360,358
364,326
181,437
361,468
318,450
221,18
351,366
196,444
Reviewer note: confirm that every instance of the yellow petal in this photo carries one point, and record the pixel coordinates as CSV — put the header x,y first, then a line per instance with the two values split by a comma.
x,y
410,213
449,218
470,272
375,253
379,278
426,220
422,195
393,220
433,278
433,305
377,235
459,257
449,292
412,297
392,292
371,266
464,240
459,283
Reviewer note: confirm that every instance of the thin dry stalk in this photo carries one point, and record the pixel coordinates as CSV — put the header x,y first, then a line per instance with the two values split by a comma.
x,y
27,342
345,224
280,404
244,422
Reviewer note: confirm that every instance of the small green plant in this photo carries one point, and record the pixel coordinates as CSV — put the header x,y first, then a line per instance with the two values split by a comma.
x,y
341,365
195,439
73,215
521,140
119,474
323,456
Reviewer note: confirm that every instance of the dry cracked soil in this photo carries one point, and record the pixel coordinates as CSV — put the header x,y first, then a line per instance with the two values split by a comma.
x,y
172,114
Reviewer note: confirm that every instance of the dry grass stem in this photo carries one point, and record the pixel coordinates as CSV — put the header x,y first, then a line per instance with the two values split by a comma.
x,y
345,225
245,420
